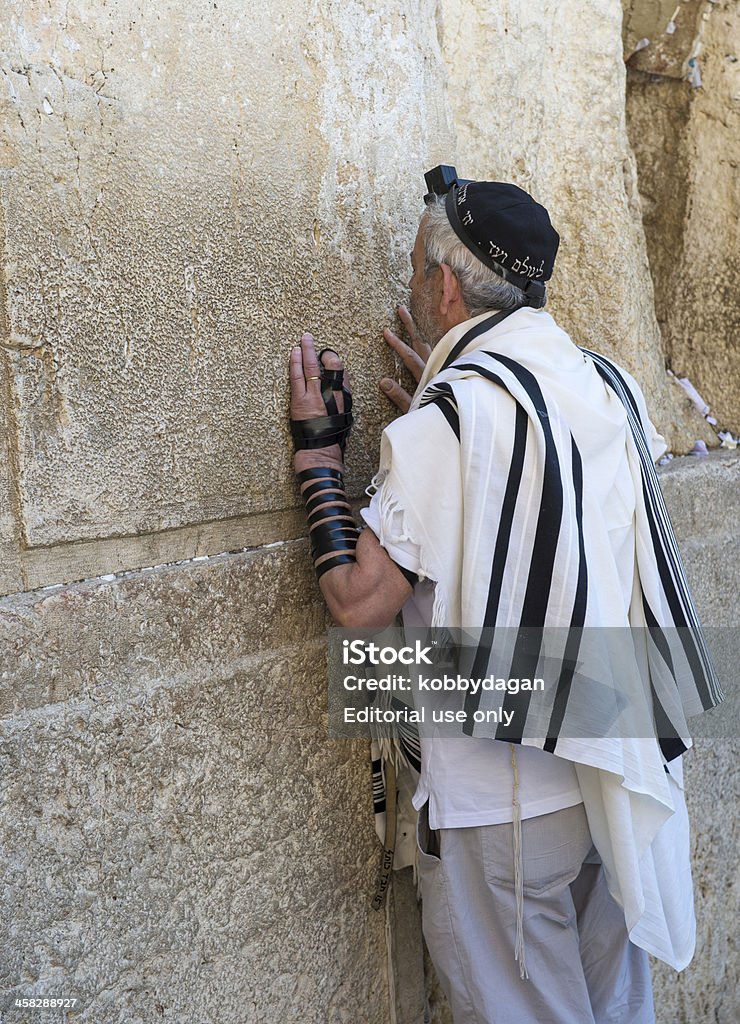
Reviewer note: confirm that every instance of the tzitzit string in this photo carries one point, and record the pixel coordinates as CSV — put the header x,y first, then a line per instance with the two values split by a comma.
x,y
518,870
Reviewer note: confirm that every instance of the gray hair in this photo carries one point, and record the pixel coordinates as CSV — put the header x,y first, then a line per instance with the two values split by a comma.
x,y
482,289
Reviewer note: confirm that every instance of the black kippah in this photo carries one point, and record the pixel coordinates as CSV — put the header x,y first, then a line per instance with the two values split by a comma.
x,y
507,230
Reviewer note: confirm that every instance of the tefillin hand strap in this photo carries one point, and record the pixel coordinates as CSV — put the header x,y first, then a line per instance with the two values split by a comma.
x,y
332,529
335,427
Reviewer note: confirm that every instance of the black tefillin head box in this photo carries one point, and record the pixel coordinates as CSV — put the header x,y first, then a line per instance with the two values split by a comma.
x,y
440,180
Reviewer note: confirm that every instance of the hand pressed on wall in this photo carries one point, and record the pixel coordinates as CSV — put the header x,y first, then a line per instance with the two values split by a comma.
x,y
306,401
413,357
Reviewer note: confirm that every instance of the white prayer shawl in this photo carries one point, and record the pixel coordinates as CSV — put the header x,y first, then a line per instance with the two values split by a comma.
x,y
503,495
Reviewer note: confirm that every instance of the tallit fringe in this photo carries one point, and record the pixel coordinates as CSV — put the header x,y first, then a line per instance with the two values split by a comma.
x,y
388,508
518,870
376,482
390,750
440,613
390,513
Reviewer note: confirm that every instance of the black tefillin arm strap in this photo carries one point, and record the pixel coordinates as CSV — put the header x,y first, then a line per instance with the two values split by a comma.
x,y
335,427
332,529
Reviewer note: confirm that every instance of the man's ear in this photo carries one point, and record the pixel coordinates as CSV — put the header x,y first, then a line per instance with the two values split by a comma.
x,y
451,295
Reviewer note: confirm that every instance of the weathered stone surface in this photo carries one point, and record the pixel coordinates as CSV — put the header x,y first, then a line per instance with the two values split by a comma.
x,y
537,97
181,841
10,568
687,145
707,991
661,36
11,572
198,851
703,497
85,559
189,188
406,949
101,639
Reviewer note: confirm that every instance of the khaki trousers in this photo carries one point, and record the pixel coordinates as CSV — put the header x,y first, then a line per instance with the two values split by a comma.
x,y
582,967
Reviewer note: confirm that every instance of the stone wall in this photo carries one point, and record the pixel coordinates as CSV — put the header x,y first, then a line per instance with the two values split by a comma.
x,y
542,104
180,840
185,188
687,144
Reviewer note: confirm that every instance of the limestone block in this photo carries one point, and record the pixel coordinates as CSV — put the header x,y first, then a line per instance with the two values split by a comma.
x,y
407,949
537,96
195,851
703,497
11,573
181,840
187,189
687,145
99,640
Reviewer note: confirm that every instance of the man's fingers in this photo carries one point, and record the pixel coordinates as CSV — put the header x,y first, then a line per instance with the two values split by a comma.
x,y
311,368
296,368
413,363
305,381
397,395
331,361
419,344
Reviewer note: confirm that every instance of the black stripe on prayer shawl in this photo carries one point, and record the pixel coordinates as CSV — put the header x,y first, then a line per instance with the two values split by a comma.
x,y
657,634
670,742
475,332
578,617
500,550
667,556
677,608
408,736
472,701
503,535
672,576
542,561
443,397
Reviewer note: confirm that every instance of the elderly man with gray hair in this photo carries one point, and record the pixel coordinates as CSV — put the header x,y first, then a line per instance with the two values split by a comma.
x,y
519,491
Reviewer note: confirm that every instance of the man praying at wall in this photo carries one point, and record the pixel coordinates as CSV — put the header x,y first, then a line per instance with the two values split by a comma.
x,y
518,490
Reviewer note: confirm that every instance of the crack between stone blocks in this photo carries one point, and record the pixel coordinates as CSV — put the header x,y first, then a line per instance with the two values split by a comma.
x,y
127,573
